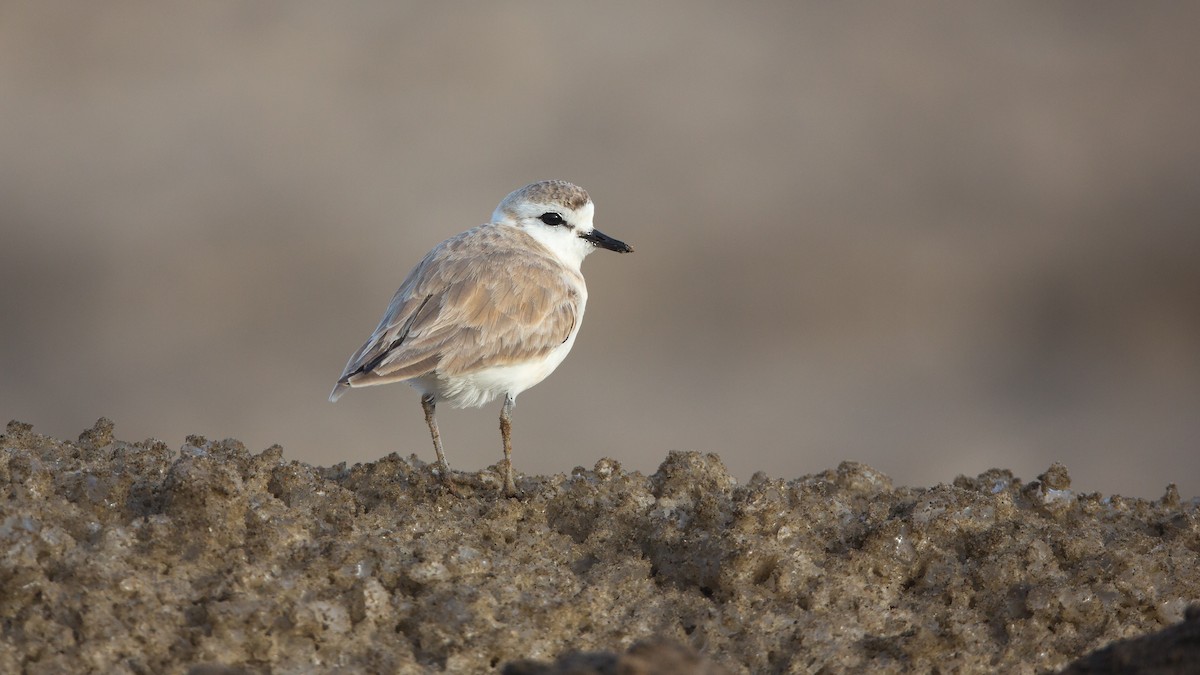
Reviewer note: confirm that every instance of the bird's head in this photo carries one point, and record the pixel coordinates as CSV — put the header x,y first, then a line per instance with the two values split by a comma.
x,y
558,215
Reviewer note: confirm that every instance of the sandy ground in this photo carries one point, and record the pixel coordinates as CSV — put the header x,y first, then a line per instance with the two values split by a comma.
x,y
122,557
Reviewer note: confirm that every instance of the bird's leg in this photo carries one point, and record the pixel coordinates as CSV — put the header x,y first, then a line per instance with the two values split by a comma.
x,y
510,488
427,404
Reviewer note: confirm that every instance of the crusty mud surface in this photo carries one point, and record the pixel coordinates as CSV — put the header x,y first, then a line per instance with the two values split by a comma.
x,y
121,557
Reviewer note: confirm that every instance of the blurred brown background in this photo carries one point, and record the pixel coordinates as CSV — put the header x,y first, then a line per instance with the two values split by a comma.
x,y
936,238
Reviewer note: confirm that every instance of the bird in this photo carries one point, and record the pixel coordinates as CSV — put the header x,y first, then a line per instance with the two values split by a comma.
x,y
488,313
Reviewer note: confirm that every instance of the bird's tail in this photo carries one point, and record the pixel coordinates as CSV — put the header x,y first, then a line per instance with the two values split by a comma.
x,y
338,389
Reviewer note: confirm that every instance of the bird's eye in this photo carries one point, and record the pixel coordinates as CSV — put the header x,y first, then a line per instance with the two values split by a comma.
x,y
553,219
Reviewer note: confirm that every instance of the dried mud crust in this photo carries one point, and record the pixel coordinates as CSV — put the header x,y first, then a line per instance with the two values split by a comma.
x,y
124,557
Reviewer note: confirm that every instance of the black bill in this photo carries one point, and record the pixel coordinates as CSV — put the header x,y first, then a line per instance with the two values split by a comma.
x,y
604,241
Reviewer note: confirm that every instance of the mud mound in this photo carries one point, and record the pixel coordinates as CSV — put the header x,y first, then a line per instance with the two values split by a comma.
x,y
135,558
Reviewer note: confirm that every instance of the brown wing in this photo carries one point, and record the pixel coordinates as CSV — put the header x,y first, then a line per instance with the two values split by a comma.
x,y
458,312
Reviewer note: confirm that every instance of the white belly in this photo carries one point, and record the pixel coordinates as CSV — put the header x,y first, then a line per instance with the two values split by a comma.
x,y
479,388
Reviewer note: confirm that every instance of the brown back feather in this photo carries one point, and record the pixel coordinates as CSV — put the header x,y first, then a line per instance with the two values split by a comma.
x,y
458,312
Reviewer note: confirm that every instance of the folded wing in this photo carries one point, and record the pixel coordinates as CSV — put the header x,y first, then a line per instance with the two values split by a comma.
x,y
459,311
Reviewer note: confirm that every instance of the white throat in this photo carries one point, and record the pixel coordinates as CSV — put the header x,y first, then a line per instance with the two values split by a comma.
x,y
565,244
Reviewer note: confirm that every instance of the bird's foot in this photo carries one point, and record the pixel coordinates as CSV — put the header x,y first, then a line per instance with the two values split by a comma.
x,y
510,487
448,479
511,491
